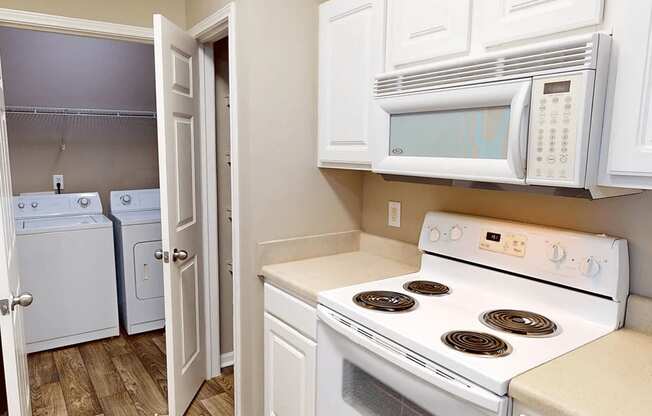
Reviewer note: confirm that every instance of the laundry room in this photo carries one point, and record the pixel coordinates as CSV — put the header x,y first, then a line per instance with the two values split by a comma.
x,y
81,122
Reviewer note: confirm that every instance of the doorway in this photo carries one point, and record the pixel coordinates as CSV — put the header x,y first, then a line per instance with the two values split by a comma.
x,y
121,359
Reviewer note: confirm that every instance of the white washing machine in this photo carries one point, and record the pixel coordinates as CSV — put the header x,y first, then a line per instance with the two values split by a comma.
x,y
137,221
66,260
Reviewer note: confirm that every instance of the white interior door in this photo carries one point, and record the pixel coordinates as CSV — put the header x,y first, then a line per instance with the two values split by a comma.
x,y
11,318
177,104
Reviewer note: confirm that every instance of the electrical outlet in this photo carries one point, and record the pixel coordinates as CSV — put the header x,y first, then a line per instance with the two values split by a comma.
x,y
55,180
394,214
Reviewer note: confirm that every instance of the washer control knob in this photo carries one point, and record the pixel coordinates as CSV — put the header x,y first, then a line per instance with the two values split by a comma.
x,y
556,253
455,233
34,204
21,205
434,234
125,199
84,202
589,267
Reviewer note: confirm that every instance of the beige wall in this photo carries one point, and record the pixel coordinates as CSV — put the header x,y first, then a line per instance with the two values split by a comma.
x,y
283,194
629,217
100,154
129,12
196,10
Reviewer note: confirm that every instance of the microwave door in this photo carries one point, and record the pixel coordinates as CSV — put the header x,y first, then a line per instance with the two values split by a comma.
x,y
476,133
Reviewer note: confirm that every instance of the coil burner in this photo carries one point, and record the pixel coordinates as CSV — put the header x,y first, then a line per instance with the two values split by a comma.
x,y
383,300
425,287
476,343
518,322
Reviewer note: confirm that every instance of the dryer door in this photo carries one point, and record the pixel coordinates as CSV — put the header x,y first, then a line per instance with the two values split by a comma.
x,y
148,271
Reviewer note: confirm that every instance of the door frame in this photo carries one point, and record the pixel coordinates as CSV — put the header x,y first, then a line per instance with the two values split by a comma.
x,y
217,26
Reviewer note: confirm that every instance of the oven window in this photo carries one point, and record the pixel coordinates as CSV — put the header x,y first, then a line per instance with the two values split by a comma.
x,y
477,133
370,397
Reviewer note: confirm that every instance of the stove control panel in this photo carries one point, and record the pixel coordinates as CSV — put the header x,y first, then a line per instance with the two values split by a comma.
x,y
592,263
504,243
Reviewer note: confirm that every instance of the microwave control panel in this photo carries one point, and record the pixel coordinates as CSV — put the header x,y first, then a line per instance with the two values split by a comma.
x,y
559,129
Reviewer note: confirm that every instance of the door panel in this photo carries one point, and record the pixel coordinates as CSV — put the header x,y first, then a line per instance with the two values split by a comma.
x,y
290,370
177,101
11,323
630,151
504,21
423,30
350,55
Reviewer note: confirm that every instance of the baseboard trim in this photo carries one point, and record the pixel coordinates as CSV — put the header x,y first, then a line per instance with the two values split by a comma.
x,y
226,359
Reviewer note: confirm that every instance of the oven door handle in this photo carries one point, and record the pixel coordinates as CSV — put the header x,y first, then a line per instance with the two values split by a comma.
x,y
417,366
518,130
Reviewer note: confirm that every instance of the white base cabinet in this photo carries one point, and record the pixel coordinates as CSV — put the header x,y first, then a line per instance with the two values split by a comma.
x,y
290,355
522,410
290,360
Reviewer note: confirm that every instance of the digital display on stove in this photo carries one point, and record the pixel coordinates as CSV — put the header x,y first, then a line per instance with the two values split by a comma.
x,y
493,237
556,87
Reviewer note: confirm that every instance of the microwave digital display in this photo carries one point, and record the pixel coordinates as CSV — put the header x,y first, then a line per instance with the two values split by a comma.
x,y
495,237
556,87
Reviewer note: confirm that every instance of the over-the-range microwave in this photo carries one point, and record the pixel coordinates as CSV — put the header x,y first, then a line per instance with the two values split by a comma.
x,y
531,115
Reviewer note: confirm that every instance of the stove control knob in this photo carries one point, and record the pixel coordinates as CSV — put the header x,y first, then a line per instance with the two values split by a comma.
x,y
589,267
21,205
34,204
434,234
455,233
556,253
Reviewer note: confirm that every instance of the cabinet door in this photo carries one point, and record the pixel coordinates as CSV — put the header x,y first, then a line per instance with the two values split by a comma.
x,y
290,370
522,410
350,55
420,31
504,21
630,135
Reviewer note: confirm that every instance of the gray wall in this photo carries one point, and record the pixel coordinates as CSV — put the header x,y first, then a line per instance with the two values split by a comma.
x,y
55,70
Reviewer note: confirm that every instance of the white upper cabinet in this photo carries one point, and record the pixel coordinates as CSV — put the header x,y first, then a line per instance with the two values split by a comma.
x,y
503,21
420,31
351,49
629,158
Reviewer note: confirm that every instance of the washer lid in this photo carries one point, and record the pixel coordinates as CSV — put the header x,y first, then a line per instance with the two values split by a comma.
x,y
138,217
64,223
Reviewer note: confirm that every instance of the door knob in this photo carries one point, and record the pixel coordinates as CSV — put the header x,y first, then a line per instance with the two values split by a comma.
x,y
23,300
179,255
158,254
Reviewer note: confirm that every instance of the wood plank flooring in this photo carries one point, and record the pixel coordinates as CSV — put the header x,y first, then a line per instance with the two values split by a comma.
x,y
121,376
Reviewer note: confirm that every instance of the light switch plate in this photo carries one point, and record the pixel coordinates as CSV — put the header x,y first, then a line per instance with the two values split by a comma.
x,y
55,180
394,214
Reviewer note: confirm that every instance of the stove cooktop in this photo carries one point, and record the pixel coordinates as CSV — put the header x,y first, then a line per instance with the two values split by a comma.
x,y
489,327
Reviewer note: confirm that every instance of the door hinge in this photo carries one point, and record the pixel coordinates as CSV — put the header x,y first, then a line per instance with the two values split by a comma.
x,y
4,307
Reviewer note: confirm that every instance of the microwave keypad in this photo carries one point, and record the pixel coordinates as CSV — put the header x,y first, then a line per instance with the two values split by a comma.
x,y
553,129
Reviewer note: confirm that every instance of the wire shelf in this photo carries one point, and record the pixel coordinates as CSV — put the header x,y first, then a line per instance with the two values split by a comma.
x,y
79,112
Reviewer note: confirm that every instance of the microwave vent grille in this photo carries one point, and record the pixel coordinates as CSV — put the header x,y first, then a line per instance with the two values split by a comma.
x,y
561,56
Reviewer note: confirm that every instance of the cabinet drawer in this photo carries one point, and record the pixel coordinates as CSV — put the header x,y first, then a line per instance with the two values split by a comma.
x,y
289,309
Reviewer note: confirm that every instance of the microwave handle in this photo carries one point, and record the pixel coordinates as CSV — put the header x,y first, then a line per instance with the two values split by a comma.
x,y
518,130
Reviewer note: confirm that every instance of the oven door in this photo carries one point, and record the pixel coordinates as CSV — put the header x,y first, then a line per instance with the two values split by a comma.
x,y
363,374
476,133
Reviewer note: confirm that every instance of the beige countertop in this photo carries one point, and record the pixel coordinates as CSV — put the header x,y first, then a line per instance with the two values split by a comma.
x,y
306,278
611,376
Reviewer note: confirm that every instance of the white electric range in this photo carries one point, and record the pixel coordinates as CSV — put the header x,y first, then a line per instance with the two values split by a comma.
x,y
493,299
